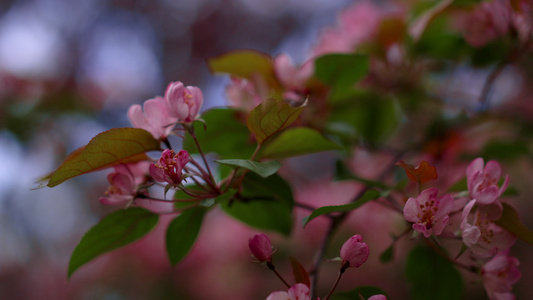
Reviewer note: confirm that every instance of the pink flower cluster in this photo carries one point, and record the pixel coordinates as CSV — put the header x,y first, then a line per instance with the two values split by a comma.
x,y
430,214
180,105
124,183
169,166
491,20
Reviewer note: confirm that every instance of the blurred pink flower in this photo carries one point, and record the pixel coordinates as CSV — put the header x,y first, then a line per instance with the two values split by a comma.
x,y
378,297
487,22
247,93
124,183
183,102
261,247
293,78
499,274
169,166
356,24
482,236
155,118
428,213
483,182
298,291
354,252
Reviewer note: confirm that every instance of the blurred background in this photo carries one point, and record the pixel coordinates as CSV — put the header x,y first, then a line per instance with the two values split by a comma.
x,y
70,69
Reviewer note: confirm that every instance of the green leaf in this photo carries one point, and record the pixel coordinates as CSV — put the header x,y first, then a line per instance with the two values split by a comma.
x,y
510,221
182,233
264,169
370,117
245,64
299,272
181,195
505,150
115,230
297,141
273,187
387,255
261,214
264,203
270,117
432,276
226,135
356,294
341,71
368,196
107,149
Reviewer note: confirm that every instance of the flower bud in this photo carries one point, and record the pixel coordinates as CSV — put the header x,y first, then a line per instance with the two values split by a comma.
x,y
354,252
260,247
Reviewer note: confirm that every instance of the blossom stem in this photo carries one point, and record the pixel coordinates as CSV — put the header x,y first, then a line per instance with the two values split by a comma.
x,y
241,178
337,220
207,178
211,180
271,266
443,254
336,283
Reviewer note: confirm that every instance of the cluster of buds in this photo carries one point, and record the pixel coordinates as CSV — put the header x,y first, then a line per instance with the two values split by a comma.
x,y
354,252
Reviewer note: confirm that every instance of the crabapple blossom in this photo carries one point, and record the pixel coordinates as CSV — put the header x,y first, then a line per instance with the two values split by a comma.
x,y
183,103
124,182
489,21
293,78
260,247
169,166
155,118
354,252
499,274
482,236
428,213
247,93
298,291
378,297
483,181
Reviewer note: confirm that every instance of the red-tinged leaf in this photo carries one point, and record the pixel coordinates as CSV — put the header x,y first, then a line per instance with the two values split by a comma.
x,y
270,117
421,174
300,273
245,64
510,221
107,149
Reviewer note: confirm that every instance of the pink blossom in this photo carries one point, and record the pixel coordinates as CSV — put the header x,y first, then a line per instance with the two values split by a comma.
x,y
378,297
483,182
499,274
298,291
124,183
488,21
354,252
260,247
183,103
428,213
482,236
155,118
293,78
169,166
247,93
356,25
